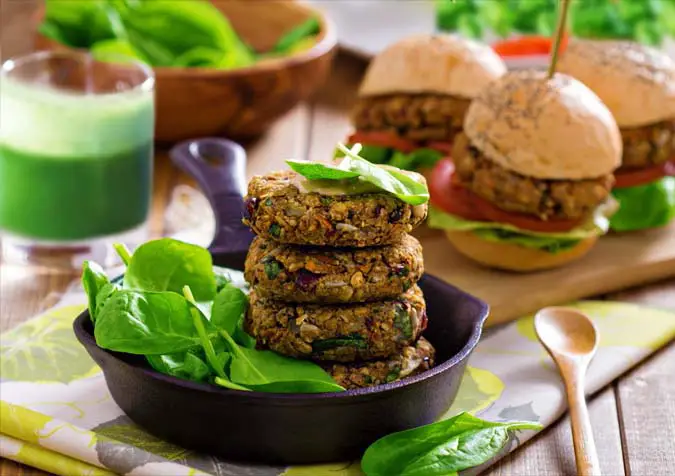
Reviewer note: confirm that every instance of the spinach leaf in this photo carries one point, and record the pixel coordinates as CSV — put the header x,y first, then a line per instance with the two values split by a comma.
x,y
186,365
229,308
168,265
287,42
298,386
260,368
103,295
223,382
114,50
390,179
222,278
147,323
318,171
76,24
204,338
93,280
441,448
165,30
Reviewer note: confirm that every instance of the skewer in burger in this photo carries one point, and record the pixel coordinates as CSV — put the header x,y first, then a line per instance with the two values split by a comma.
x,y
414,97
529,184
637,83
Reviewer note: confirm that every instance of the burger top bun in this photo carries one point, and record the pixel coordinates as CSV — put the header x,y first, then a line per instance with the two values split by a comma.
x,y
443,64
544,128
637,83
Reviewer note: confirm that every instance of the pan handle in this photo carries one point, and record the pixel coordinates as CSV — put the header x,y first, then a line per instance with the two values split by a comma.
x,y
219,167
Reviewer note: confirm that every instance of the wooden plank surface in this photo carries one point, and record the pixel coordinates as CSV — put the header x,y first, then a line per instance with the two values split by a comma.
x,y
633,420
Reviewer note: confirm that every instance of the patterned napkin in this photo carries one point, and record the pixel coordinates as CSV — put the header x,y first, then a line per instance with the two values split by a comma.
x,y
56,412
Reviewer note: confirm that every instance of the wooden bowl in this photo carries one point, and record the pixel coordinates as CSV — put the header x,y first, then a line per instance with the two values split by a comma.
x,y
239,103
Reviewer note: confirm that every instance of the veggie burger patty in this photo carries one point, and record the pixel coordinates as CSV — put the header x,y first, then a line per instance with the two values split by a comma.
x,y
565,199
342,332
333,275
413,360
279,210
652,144
417,117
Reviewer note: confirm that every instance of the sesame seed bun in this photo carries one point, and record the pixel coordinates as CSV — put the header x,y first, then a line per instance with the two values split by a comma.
x,y
443,64
510,257
544,128
636,82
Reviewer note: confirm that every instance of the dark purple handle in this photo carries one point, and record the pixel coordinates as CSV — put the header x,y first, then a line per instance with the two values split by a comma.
x,y
219,167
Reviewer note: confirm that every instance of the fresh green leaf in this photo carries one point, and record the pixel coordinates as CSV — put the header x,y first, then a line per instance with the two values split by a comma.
x,y
204,338
441,448
354,340
115,50
375,154
165,30
318,171
222,278
390,179
597,225
79,24
645,206
147,323
185,365
261,367
229,308
200,56
103,295
168,265
93,280
298,386
223,382
305,30
242,338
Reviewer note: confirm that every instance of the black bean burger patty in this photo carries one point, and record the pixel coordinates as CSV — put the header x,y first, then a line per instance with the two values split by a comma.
x,y
510,191
333,275
338,332
648,145
418,117
414,359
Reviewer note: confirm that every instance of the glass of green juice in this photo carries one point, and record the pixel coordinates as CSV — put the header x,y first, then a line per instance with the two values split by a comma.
x,y
76,157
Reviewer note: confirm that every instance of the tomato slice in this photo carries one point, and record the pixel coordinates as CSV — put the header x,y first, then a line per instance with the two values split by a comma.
x,y
521,220
633,178
449,196
442,147
453,198
382,139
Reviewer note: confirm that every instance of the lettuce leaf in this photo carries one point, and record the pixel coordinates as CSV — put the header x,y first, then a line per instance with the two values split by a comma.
x,y
645,206
557,242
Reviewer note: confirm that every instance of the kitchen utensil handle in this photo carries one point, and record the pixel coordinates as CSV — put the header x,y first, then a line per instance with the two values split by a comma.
x,y
582,433
219,167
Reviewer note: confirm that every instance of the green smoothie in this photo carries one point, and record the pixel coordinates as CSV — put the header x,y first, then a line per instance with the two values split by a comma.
x,y
74,166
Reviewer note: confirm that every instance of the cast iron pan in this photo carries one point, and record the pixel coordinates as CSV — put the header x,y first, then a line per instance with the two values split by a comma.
x,y
283,428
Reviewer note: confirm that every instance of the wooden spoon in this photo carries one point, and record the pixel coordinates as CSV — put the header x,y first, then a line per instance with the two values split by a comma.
x,y
571,339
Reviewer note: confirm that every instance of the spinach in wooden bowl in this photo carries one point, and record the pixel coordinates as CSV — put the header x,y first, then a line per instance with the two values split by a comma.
x,y
168,33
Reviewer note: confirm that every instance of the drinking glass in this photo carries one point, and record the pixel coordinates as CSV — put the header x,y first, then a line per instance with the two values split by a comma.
x,y
76,157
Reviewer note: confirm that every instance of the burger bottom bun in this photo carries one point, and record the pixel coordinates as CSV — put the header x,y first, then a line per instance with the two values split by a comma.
x,y
512,257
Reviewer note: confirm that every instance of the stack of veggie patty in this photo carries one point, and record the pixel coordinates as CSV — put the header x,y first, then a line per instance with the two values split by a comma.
x,y
334,278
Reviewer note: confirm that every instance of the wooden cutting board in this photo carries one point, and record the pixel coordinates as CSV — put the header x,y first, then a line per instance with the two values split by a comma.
x,y
616,262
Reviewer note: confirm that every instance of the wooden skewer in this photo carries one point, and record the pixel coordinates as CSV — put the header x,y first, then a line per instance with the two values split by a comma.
x,y
562,22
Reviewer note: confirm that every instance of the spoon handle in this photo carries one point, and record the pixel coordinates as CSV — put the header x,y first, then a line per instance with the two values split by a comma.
x,y
582,433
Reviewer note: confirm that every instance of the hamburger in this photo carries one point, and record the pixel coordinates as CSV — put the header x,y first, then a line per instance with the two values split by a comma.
x,y
637,83
529,183
414,97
